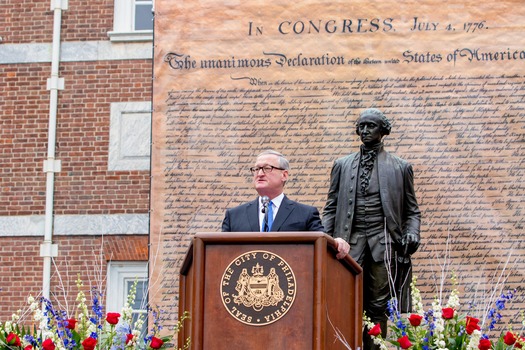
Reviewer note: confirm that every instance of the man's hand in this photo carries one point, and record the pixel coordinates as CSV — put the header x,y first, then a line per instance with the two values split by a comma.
x,y
342,247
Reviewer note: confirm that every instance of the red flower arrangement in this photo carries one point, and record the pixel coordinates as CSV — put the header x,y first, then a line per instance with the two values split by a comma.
x,y
443,327
89,329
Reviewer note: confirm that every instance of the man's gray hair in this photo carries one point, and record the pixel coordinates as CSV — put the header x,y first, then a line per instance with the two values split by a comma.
x,y
283,162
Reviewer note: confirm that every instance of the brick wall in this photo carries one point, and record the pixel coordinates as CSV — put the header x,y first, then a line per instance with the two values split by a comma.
x,y
23,137
87,256
84,186
31,21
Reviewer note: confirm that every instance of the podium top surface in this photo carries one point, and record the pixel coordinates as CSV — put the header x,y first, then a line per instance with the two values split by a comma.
x,y
265,238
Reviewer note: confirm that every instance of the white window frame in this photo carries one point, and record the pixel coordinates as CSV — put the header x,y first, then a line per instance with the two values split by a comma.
x,y
124,23
119,273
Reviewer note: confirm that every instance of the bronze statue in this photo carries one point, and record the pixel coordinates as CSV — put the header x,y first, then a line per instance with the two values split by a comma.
x,y
372,212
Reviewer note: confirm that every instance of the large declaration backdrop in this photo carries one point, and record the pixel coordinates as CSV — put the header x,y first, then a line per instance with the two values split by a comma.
x,y
233,78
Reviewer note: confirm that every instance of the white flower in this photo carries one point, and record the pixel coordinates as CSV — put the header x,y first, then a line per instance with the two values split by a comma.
x,y
92,328
417,301
139,322
127,312
474,340
453,299
136,333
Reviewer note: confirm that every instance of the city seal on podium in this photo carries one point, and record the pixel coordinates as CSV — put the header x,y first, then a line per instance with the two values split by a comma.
x,y
258,288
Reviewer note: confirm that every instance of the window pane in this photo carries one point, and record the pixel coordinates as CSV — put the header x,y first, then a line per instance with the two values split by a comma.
x,y
141,301
143,15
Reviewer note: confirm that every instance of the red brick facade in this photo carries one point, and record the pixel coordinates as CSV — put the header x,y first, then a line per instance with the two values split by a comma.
x,y
84,186
31,21
87,256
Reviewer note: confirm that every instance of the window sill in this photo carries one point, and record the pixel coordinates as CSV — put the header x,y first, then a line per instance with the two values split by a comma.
x,y
146,35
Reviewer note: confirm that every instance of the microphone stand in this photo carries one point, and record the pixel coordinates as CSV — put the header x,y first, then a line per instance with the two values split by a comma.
x,y
265,202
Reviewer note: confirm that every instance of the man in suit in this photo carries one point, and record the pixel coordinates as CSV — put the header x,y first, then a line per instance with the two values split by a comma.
x,y
270,173
372,206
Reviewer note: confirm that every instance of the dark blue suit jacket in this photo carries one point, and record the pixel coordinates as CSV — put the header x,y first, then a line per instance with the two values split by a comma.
x,y
292,216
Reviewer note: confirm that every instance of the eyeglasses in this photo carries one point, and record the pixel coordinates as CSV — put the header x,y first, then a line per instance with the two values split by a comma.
x,y
266,169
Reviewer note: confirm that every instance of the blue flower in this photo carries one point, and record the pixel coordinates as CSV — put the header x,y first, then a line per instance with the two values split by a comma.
x,y
429,319
31,340
494,315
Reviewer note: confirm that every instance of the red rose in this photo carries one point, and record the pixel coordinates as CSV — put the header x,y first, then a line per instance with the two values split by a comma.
x,y
156,343
13,339
471,324
404,342
48,345
112,317
447,313
29,347
484,344
71,322
129,337
415,319
375,331
509,338
89,343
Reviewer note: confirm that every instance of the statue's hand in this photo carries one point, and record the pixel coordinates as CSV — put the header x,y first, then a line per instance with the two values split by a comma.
x,y
410,243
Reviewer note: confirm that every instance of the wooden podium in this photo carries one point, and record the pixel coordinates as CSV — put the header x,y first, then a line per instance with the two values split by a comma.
x,y
277,290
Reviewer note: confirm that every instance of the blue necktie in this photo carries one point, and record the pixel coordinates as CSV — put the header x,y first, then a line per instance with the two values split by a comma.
x,y
269,218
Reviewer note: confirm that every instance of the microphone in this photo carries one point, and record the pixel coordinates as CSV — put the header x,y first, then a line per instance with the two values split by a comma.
x,y
265,201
